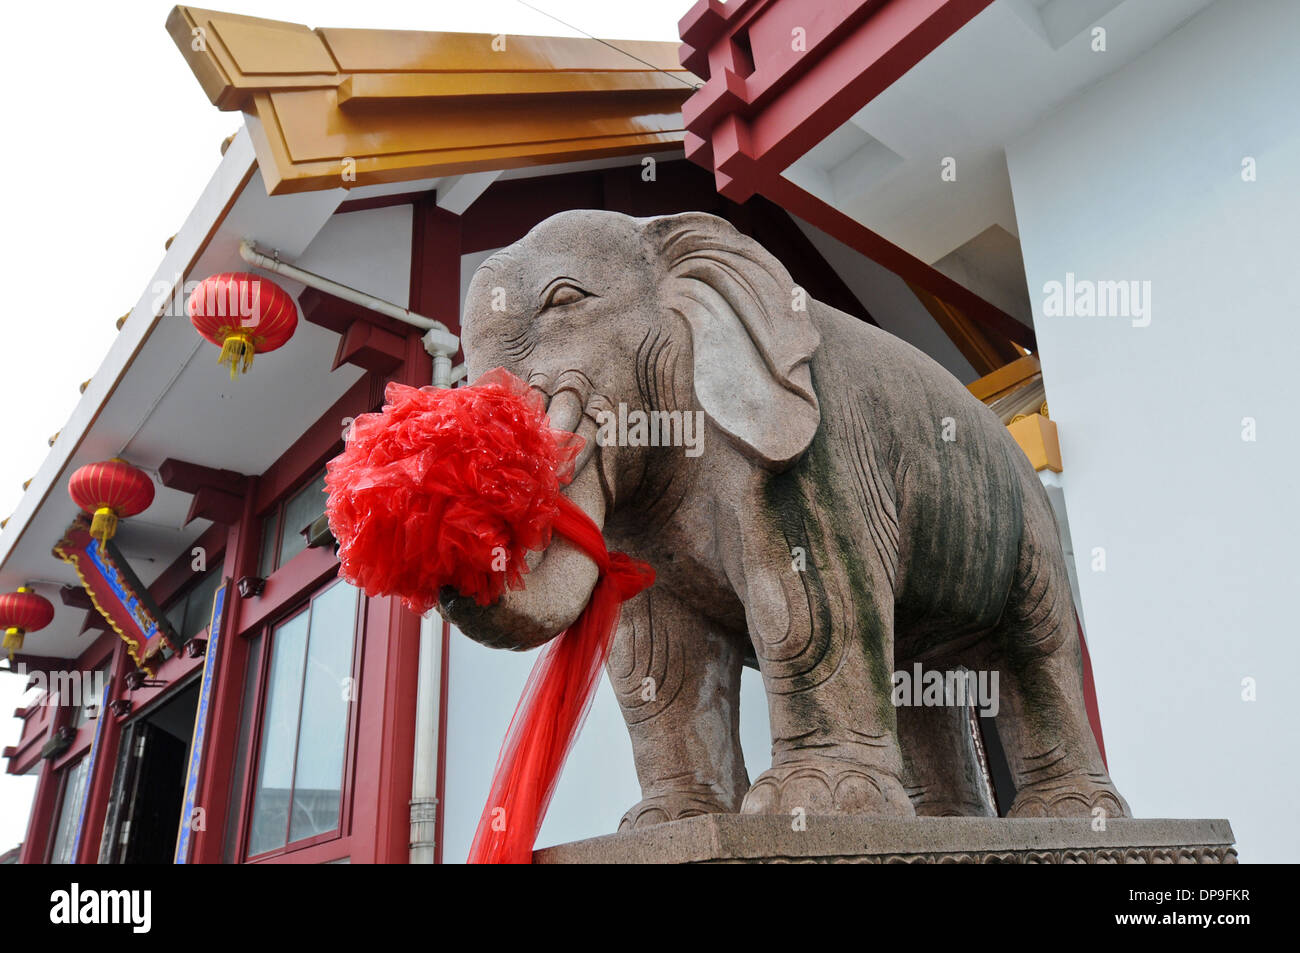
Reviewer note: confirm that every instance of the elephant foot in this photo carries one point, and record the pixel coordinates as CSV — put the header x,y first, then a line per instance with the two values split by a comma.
x,y
671,806
1072,796
822,786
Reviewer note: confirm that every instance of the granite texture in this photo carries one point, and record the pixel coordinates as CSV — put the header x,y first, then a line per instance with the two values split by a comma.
x,y
839,508
769,839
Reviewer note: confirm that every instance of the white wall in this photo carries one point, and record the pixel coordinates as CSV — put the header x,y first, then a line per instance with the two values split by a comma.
x,y
599,782
1139,177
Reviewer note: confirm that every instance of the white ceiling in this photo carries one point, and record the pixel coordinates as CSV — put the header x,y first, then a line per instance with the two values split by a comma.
x,y
171,398
1010,66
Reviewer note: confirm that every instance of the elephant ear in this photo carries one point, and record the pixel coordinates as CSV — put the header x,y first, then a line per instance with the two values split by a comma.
x,y
751,345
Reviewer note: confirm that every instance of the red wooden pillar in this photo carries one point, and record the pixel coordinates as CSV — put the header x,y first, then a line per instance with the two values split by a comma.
x,y
435,263
390,686
221,735
44,802
1090,694
381,791
100,784
437,243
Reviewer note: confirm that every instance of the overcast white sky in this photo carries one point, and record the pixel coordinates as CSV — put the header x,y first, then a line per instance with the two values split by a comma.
x,y
108,142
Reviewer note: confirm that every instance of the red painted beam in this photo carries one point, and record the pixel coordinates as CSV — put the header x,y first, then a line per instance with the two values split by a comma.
x,y
772,95
76,597
857,236
800,108
783,74
188,477
37,663
216,505
370,347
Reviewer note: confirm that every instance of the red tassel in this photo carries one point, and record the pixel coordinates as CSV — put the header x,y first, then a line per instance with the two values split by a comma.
x,y
555,702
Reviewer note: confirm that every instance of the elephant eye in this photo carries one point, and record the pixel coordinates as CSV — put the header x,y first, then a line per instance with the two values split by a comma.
x,y
564,293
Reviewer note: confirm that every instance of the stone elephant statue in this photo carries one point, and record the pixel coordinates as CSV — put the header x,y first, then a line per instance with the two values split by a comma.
x,y
816,496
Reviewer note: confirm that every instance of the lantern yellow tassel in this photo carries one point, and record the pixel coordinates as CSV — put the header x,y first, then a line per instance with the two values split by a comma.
x,y
236,351
13,641
104,524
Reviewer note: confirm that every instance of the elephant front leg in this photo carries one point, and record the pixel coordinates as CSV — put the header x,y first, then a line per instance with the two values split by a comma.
x,y
677,679
825,648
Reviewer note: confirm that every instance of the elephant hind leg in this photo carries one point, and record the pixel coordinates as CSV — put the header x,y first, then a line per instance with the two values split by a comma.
x,y
1050,748
677,680
941,763
1042,721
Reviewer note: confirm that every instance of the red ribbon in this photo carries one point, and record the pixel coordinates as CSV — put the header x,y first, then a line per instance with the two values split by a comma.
x,y
555,701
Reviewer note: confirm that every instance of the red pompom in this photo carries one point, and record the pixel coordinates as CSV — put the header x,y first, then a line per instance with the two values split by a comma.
x,y
448,488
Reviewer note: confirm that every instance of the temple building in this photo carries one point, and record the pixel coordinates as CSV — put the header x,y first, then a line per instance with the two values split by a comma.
x,y
1084,227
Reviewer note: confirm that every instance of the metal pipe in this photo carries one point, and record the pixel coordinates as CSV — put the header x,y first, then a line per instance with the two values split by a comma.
x,y
424,773
441,364
438,339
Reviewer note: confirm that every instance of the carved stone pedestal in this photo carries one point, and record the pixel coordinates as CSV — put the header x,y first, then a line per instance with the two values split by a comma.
x,y
768,839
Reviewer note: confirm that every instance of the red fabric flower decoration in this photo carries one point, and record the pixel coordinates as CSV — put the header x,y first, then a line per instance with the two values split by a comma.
x,y
448,488
452,488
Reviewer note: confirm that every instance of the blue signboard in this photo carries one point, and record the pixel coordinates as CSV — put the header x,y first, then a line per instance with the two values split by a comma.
x,y
200,727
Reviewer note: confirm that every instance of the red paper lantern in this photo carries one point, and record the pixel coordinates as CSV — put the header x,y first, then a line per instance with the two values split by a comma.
x,y
110,491
22,612
243,314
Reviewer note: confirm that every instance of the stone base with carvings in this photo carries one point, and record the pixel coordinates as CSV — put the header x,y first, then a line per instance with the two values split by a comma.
x,y
770,839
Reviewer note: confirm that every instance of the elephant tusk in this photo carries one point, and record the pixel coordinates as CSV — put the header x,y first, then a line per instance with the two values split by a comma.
x,y
588,432
565,410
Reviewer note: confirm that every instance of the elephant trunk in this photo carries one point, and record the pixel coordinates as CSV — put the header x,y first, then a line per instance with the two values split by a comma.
x,y
560,580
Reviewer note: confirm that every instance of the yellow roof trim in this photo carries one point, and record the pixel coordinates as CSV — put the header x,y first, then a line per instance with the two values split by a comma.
x,y
1005,378
347,108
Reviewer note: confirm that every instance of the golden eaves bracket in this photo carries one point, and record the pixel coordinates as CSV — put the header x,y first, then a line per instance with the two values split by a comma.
x,y
347,108
1037,436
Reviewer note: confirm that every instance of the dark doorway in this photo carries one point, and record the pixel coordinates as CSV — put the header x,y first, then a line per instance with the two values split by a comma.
x,y
1004,786
144,810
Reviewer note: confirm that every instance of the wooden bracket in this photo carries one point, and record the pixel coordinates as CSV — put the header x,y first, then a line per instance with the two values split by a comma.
x,y
370,348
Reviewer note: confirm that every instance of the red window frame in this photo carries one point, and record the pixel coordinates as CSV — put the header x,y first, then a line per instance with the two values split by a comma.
x,y
295,851
64,772
277,510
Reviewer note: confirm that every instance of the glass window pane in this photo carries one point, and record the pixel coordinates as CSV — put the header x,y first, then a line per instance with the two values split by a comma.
x,y
327,692
198,605
279,732
69,811
246,717
266,563
118,795
303,508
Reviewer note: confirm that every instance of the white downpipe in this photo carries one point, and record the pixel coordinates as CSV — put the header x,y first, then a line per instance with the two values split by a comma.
x,y
424,774
428,692
438,339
